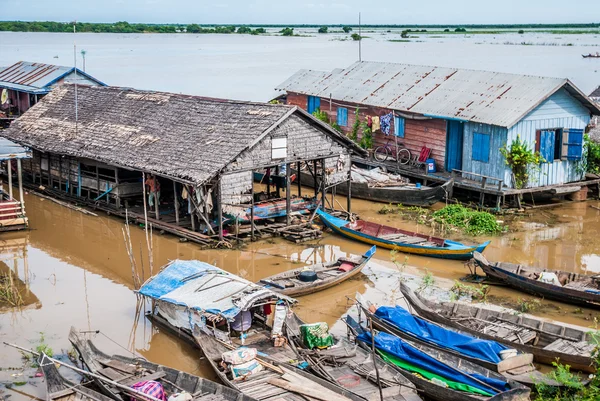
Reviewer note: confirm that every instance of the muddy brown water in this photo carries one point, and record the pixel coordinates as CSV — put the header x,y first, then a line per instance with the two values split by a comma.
x,y
74,270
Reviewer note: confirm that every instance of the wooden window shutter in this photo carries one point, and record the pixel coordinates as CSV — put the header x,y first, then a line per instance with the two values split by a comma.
x,y
547,145
538,140
565,144
575,145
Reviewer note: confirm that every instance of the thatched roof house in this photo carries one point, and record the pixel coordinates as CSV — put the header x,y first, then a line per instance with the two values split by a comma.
x,y
188,138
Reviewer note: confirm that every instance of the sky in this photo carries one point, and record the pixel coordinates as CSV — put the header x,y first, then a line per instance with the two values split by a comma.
x,y
304,11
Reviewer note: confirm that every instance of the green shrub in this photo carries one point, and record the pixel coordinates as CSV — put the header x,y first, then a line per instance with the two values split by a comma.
x,y
323,29
592,155
287,32
355,36
521,160
347,29
471,221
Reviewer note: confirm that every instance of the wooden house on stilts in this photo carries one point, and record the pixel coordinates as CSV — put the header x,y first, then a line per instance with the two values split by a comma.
x,y
187,162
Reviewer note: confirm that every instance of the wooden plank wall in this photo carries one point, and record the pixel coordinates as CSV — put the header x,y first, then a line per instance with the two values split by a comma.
x,y
418,133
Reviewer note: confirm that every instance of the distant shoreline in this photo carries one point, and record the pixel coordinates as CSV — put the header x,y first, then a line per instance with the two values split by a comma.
x,y
259,29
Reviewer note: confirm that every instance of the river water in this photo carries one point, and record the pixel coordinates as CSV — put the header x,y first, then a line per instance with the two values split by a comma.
x,y
74,269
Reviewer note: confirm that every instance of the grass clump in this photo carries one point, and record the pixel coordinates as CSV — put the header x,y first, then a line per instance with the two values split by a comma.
x,y
460,290
528,305
9,292
471,221
427,281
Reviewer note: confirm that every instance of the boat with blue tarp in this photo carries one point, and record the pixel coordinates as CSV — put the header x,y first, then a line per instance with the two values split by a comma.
x,y
397,321
398,239
441,376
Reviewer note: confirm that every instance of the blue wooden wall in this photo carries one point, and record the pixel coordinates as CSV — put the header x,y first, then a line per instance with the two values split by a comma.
x,y
560,110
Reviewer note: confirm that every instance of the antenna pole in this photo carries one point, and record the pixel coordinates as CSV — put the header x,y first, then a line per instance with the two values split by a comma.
x,y
75,71
359,40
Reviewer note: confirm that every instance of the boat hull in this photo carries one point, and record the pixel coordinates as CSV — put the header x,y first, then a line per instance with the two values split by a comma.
x,y
454,251
410,196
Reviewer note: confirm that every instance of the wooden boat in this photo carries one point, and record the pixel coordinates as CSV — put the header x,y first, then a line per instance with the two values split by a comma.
x,y
425,361
547,341
563,286
282,382
486,353
271,209
400,240
352,367
130,370
60,389
406,194
328,275
590,55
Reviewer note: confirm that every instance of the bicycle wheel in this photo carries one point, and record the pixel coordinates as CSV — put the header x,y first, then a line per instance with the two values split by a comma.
x,y
381,153
403,156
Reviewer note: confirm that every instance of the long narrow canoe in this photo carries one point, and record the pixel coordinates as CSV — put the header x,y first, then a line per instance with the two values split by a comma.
x,y
351,367
563,286
408,195
401,240
547,341
440,375
281,382
60,389
130,370
328,275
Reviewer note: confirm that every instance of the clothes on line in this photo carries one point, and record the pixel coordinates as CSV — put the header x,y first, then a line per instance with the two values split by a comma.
x,y
386,123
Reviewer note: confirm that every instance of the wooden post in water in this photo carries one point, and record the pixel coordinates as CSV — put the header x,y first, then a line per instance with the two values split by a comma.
x,y
288,201
349,198
220,209
117,197
176,202
375,359
19,177
316,187
323,184
252,207
9,172
298,180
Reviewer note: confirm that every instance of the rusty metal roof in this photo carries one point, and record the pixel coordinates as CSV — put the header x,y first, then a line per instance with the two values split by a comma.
x,y
35,77
486,97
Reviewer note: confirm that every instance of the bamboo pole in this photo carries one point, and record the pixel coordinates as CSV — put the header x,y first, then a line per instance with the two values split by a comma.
x,y
150,261
374,359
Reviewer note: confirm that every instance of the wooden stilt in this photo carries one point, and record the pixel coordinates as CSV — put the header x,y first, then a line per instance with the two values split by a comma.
x,y
70,176
323,184
268,170
176,202
277,187
252,208
9,172
349,199
298,180
97,181
220,210
116,193
316,187
20,178
288,201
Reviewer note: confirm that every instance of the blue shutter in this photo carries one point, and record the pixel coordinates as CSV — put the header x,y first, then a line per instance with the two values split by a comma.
x,y
575,144
399,126
313,104
342,116
481,147
547,145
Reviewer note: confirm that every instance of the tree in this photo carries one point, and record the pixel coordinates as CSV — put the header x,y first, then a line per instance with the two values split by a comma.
x,y
355,36
287,32
244,30
194,28
259,31
347,29
447,30
521,32
323,29
460,30
404,34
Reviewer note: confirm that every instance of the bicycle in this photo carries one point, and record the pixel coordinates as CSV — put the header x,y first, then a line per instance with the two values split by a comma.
x,y
382,153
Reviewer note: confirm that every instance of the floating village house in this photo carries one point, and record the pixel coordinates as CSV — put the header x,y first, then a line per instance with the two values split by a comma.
x,y
463,116
204,153
24,83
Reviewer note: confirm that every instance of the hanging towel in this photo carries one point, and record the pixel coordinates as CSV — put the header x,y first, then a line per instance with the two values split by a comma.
x,y
386,123
376,124
369,121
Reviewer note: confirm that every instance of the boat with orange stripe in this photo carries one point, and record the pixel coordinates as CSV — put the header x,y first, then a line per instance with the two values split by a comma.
x,y
400,240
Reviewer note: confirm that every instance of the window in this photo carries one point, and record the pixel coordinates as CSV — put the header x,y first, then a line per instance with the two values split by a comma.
x,y
399,126
278,148
481,147
342,116
314,103
559,144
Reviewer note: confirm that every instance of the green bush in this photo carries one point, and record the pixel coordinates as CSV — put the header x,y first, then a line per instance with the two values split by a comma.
x,y
323,29
347,29
287,32
592,155
521,159
355,36
471,221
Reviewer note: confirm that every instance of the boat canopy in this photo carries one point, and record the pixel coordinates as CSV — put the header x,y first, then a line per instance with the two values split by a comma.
x,y
206,288
400,318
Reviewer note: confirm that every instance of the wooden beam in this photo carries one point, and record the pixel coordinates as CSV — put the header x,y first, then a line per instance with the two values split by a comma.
x,y
176,202
323,184
298,180
20,178
316,187
220,209
349,198
9,172
252,207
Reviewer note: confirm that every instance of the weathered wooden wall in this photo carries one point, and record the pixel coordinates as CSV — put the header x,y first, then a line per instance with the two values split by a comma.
x,y
418,132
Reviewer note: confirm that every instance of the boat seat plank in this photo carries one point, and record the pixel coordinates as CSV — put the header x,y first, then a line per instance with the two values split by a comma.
x,y
137,379
118,365
112,374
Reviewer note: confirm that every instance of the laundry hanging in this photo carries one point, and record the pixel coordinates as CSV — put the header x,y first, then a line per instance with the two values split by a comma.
x,y
386,123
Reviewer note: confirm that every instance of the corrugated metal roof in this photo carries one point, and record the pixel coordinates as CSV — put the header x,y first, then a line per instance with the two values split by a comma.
x,y
35,77
493,98
10,150
596,93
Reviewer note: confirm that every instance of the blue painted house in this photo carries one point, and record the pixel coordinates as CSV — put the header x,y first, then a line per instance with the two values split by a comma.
x,y
464,116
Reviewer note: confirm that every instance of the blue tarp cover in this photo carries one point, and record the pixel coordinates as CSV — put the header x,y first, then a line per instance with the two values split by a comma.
x,y
406,352
465,344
